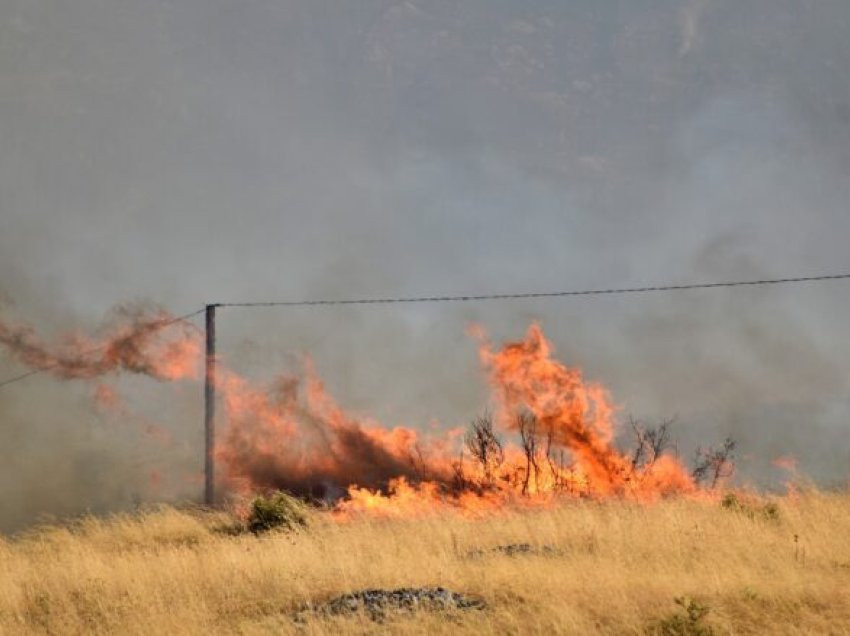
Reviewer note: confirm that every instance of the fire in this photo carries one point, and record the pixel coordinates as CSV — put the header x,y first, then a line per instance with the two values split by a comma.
x,y
551,434
573,414
295,437
406,500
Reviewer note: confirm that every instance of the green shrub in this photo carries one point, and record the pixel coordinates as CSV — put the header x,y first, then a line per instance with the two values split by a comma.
x,y
769,511
277,511
688,623
730,501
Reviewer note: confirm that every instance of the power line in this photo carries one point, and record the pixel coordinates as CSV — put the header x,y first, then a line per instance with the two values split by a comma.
x,y
465,298
530,295
20,377
154,327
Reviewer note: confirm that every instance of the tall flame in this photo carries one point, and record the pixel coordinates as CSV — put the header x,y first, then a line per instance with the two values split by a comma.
x,y
575,415
295,437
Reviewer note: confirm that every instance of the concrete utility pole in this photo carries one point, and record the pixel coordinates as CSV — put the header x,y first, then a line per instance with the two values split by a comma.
x,y
209,410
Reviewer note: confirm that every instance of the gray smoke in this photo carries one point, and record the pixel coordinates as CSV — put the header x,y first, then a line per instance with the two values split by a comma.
x,y
193,152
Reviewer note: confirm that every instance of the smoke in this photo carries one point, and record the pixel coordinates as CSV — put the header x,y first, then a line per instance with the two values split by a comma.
x,y
71,444
690,25
277,439
188,153
138,345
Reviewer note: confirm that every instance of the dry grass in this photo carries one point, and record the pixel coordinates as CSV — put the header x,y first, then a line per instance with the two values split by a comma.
x,y
617,570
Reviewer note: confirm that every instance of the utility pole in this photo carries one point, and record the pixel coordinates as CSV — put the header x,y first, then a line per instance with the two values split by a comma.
x,y
209,409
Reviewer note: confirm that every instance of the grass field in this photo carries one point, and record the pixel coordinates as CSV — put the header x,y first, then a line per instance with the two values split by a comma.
x,y
611,568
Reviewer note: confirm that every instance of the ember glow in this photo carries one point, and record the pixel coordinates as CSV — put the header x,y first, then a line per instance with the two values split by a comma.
x,y
550,434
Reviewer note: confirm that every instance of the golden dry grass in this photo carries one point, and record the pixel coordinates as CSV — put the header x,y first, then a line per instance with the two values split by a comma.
x,y
617,570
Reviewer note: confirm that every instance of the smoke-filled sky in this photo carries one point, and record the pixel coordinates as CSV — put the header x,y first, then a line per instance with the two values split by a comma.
x,y
204,151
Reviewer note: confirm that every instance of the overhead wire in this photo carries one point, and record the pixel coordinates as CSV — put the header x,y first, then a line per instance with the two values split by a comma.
x,y
532,295
465,298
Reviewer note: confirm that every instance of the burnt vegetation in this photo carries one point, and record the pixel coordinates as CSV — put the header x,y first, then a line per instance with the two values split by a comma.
x,y
529,435
546,464
485,447
651,442
712,465
543,459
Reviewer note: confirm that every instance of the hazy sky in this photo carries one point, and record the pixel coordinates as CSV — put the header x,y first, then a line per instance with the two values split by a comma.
x,y
196,151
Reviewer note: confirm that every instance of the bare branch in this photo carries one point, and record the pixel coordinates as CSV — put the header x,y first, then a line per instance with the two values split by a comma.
x,y
714,464
484,446
527,424
650,442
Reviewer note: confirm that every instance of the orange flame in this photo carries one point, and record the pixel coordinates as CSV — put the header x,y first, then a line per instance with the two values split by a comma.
x,y
281,439
296,438
576,415
293,436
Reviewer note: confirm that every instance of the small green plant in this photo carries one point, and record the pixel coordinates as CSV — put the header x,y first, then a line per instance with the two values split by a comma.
x,y
769,511
277,511
730,501
687,623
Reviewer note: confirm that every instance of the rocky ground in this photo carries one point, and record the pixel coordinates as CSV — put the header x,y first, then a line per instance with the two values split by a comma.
x,y
377,604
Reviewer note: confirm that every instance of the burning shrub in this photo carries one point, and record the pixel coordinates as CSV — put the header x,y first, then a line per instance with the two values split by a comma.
x,y
552,433
277,511
485,447
650,442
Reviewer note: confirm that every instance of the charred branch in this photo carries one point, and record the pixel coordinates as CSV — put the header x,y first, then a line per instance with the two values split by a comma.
x,y
484,446
713,465
527,425
650,442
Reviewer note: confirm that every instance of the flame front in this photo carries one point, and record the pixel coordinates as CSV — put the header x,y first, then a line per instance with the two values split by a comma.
x,y
301,441
556,429
296,438
575,415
